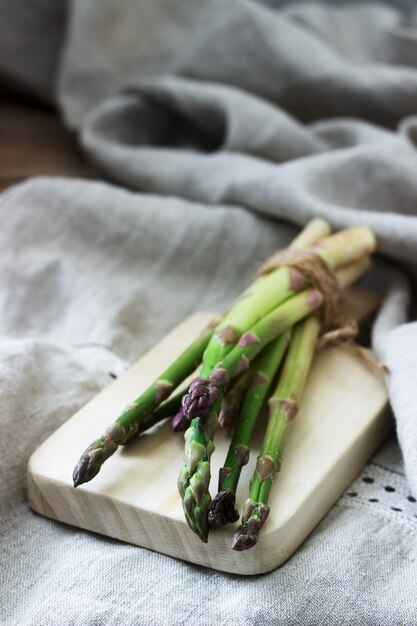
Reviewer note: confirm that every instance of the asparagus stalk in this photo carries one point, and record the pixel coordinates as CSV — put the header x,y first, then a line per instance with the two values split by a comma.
x,y
136,413
232,400
194,477
313,231
222,508
273,288
283,408
166,409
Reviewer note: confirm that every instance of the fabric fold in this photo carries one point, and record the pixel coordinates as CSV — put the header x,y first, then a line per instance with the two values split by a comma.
x,y
343,68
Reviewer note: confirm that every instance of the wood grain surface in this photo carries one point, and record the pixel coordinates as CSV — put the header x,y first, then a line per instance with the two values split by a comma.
x,y
342,420
34,142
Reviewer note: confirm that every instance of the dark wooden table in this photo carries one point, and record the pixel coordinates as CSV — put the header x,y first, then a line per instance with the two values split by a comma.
x,y
33,141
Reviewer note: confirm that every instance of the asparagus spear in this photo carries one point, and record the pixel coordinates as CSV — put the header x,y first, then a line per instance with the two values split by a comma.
x,y
222,508
283,408
194,477
136,413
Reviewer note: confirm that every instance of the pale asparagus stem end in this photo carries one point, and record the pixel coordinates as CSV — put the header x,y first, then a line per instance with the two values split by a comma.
x,y
346,246
313,231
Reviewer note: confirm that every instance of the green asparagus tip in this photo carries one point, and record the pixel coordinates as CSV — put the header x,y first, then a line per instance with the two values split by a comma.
x,y
222,509
92,459
198,522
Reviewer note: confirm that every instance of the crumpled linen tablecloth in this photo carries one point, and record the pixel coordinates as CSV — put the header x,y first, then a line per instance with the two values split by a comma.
x,y
220,125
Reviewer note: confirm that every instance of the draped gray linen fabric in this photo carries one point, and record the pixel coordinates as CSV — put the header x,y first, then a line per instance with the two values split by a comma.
x,y
229,124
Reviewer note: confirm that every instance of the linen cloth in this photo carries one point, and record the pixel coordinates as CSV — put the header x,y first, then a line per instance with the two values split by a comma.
x,y
223,120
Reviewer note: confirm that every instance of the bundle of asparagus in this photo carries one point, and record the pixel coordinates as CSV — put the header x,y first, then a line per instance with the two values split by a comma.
x,y
273,326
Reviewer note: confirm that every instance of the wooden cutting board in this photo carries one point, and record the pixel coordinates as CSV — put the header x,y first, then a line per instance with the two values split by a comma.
x,y
343,418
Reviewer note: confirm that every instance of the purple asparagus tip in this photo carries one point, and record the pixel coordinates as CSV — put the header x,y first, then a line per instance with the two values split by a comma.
x,y
222,509
179,423
200,397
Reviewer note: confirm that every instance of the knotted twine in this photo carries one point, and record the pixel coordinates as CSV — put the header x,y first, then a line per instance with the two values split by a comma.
x,y
323,278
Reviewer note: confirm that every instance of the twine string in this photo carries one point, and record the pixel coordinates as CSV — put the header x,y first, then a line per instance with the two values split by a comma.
x,y
323,278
